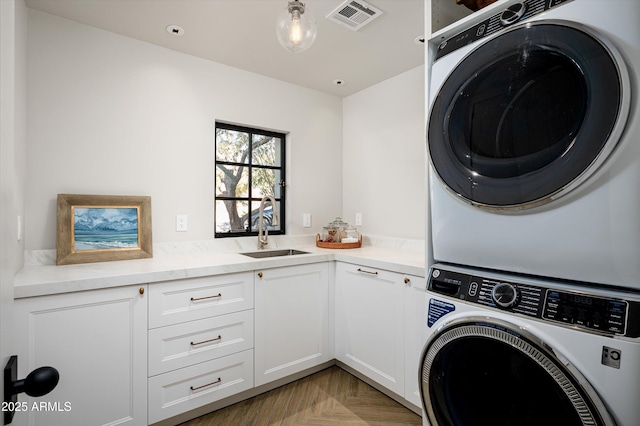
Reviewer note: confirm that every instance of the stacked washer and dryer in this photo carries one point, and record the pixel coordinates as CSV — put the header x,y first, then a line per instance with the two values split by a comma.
x,y
534,148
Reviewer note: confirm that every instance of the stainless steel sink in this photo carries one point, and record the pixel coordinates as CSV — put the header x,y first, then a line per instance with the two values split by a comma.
x,y
274,253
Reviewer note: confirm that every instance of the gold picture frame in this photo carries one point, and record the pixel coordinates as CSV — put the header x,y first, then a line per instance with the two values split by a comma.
x,y
102,228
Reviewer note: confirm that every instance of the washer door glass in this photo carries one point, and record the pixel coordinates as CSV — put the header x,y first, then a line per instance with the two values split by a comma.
x,y
486,373
525,115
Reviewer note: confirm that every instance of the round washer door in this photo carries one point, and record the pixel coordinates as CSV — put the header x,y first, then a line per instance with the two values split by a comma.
x,y
528,115
485,371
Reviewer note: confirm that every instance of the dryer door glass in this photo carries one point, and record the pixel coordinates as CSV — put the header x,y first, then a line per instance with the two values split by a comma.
x,y
487,373
523,116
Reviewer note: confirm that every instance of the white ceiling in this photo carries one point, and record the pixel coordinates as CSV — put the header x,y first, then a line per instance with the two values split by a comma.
x,y
241,33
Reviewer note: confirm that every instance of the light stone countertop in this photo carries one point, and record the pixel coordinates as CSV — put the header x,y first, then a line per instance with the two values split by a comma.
x,y
172,261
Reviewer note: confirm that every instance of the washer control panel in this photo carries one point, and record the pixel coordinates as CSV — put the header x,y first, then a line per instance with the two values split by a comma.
x,y
586,311
572,305
504,18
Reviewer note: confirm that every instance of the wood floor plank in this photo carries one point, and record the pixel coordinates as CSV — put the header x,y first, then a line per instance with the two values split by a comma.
x,y
331,397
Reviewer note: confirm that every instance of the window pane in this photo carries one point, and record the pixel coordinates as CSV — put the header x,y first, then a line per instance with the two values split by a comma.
x,y
265,182
232,181
232,146
266,150
231,215
268,216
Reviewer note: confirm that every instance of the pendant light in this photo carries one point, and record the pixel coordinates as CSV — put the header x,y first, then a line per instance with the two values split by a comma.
x,y
296,30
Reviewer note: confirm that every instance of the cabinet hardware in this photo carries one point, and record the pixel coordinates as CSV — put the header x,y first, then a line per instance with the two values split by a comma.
x,y
208,384
206,341
367,272
260,274
195,299
407,280
141,290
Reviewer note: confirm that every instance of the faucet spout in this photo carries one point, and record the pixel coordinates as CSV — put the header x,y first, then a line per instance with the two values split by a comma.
x,y
263,233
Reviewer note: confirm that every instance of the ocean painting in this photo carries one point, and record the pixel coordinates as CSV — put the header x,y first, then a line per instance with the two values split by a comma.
x,y
105,228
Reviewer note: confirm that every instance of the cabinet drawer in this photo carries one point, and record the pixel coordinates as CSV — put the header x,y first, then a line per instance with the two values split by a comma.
x,y
185,344
183,390
173,302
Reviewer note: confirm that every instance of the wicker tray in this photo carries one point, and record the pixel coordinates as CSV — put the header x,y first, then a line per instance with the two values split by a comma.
x,y
323,244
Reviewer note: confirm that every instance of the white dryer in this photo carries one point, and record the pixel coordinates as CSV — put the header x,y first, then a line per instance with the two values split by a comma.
x,y
503,351
534,140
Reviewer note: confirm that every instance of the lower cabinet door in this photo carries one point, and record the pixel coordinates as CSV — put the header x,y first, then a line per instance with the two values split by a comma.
x,y
97,340
416,308
192,387
292,320
369,323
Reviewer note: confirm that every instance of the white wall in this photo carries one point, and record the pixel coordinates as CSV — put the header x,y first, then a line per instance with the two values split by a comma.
x,y
384,157
12,158
112,115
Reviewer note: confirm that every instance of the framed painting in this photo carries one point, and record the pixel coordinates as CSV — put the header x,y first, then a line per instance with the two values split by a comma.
x,y
101,228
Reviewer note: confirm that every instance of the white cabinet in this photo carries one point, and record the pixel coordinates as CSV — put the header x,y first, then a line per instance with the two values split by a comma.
x,y
369,323
97,340
200,342
292,320
376,326
415,326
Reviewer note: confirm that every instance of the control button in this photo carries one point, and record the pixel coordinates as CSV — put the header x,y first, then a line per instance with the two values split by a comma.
x,y
512,14
473,288
616,329
480,31
504,295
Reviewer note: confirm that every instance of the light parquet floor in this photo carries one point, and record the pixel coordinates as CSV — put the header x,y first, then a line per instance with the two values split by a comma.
x,y
330,397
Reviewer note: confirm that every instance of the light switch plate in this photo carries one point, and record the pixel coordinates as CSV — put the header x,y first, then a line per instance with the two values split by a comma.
x,y
358,219
181,223
306,220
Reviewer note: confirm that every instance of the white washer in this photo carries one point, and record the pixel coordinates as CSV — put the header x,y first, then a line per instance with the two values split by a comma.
x,y
534,140
506,351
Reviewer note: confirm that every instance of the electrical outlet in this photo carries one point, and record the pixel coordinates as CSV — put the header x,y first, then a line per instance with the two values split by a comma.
x,y
306,220
181,223
358,219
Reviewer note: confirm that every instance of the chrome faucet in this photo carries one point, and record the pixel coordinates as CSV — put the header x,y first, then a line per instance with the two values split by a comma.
x,y
263,234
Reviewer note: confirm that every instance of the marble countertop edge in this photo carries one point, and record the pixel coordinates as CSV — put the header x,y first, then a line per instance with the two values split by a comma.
x,y
172,264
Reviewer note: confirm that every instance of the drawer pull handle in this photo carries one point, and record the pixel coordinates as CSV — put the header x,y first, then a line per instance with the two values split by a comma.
x,y
204,386
367,272
407,280
206,341
195,299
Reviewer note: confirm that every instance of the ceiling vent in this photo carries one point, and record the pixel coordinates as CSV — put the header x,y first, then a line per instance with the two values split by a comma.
x,y
354,14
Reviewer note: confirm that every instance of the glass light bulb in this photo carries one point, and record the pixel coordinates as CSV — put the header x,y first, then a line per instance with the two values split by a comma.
x,y
296,31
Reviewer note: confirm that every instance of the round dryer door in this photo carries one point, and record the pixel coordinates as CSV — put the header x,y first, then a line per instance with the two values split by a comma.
x,y
528,115
483,371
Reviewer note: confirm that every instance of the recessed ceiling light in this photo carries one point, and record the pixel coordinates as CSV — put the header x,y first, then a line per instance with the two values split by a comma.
x,y
175,30
339,82
419,40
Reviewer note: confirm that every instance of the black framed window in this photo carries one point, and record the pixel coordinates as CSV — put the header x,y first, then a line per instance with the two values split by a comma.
x,y
249,165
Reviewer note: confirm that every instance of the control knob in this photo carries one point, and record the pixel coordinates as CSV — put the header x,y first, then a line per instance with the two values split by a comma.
x,y
504,295
512,14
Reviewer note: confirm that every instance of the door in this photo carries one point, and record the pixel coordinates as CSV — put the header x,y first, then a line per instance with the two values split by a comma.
x,y
369,326
291,320
97,340
13,34
527,116
481,371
